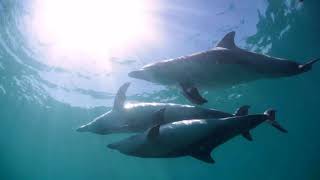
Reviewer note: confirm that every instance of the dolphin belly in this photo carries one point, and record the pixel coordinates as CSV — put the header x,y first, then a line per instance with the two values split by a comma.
x,y
224,75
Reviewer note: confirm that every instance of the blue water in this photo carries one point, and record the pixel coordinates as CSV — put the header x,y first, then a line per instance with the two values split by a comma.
x,y
44,98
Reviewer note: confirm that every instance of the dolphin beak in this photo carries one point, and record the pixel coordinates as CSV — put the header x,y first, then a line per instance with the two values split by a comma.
x,y
112,146
83,128
136,74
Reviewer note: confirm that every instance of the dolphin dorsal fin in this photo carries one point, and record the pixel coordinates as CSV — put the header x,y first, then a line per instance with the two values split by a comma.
x,y
242,111
120,97
158,116
154,132
227,41
158,120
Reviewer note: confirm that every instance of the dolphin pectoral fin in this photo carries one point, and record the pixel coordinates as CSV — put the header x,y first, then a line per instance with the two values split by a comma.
x,y
120,97
192,94
227,41
242,111
203,157
247,135
203,154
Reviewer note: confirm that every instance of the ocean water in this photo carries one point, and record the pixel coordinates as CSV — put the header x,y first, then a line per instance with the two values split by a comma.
x,y
59,70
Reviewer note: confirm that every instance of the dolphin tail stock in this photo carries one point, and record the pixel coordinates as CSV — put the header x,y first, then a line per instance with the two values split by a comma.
x,y
243,111
308,65
271,113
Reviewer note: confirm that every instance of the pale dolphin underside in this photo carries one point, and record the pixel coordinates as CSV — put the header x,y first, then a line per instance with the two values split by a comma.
x,y
225,65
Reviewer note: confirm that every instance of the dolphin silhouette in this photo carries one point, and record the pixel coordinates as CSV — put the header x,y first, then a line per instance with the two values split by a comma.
x,y
137,117
223,66
195,138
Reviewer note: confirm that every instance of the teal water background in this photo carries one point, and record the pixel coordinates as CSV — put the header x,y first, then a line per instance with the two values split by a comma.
x,y
39,109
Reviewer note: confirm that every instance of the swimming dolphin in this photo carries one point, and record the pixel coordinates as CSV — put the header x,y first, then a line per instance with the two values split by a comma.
x,y
223,66
141,116
196,138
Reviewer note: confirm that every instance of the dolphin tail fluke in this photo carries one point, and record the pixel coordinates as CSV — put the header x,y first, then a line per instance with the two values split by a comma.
x,y
272,120
192,94
308,65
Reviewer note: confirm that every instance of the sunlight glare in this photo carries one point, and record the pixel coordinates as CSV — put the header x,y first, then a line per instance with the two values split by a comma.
x,y
92,27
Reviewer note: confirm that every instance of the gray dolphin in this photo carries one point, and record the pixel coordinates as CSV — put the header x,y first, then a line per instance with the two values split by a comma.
x,y
196,138
141,116
223,66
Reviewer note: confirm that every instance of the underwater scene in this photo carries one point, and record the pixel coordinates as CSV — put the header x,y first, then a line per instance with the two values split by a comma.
x,y
159,89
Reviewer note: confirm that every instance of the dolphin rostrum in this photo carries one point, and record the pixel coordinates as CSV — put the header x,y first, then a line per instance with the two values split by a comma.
x,y
195,138
138,117
223,66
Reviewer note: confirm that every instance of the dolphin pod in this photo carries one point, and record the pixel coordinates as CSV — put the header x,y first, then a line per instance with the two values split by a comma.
x,y
166,130
225,65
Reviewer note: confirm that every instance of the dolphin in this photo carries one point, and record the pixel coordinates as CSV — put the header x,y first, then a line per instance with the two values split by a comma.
x,y
137,117
195,138
225,65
